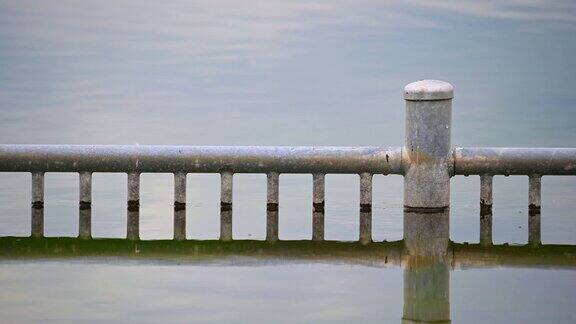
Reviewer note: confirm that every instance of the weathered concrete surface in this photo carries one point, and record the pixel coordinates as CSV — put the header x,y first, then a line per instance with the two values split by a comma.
x,y
428,90
272,201
200,159
428,152
180,224
226,191
486,182
180,189
427,234
514,161
85,223
486,227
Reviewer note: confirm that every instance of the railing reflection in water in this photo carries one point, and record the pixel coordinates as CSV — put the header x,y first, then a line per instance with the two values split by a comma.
x,y
426,253
426,267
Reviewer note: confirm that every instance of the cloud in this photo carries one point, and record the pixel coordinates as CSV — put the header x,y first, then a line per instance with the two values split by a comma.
x,y
554,11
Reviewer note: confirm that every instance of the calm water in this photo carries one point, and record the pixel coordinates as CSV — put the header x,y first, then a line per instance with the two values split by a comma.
x,y
279,73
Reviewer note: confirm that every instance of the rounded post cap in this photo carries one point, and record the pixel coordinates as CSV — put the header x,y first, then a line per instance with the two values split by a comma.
x,y
428,90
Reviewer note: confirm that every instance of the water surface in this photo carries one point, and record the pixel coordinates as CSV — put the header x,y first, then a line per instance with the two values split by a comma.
x,y
279,73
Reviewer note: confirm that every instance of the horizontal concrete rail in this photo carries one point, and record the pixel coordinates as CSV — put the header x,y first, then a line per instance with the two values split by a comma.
x,y
200,159
427,161
514,161
280,159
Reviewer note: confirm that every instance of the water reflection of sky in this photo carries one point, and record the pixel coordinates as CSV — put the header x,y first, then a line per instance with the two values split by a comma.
x,y
120,291
207,72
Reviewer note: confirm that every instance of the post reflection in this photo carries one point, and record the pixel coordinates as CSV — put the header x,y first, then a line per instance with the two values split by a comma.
x,y
534,232
85,223
179,223
37,221
133,224
365,226
486,227
426,233
272,225
426,290
318,225
225,224
426,268
426,253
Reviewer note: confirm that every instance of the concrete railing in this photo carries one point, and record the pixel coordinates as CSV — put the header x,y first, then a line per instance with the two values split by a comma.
x,y
427,162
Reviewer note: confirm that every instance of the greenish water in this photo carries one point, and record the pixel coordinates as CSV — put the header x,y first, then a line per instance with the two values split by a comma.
x,y
120,290
280,73
116,280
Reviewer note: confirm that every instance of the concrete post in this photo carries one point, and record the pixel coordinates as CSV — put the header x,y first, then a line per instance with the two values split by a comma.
x,y
428,148
486,209
226,183
365,208
535,193
38,189
133,217
37,210
180,206
318,204
535,201
37,214
427,234
85,205
272,199
486,193
180,190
